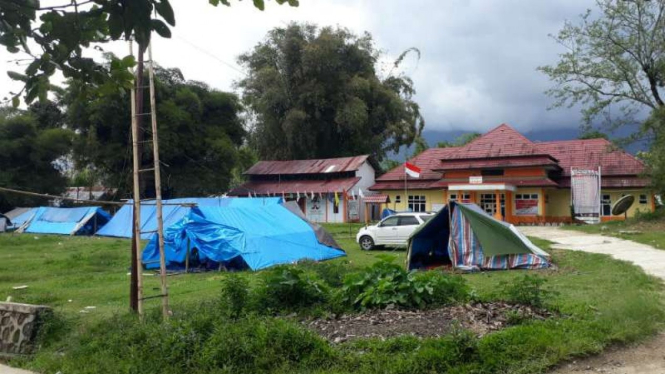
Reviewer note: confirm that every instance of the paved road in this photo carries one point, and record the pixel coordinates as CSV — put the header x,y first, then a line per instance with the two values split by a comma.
x,y
646,358
648,258
7,370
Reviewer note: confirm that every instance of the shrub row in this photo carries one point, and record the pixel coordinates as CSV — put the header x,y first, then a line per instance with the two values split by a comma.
x,y
327,287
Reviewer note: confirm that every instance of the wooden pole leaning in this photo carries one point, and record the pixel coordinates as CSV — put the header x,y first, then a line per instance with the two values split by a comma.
x,y
158,187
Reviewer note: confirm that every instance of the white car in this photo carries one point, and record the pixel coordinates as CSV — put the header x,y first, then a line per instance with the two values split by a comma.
x,y
391,231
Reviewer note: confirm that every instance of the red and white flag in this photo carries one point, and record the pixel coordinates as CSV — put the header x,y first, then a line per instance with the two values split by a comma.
x,y
412,170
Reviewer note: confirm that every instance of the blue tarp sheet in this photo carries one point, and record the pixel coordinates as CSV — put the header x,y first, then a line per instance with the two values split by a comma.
x,y
67,221
121,224
261,236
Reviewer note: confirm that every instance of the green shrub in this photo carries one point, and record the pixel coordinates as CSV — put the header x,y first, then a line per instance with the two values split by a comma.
x,y
386,283
657,215
235,294
332,273
446,289
288,288
527,290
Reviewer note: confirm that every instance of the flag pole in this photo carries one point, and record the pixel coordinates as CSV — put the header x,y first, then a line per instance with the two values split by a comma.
x,y
406,190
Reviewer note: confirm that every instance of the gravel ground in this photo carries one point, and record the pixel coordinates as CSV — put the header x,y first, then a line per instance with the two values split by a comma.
x,y
481,318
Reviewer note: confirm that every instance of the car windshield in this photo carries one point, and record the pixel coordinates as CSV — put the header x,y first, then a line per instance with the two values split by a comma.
x,y
427,218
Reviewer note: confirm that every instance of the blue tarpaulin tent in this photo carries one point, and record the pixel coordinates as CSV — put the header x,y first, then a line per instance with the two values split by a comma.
x,y
67,221
258,236
121,224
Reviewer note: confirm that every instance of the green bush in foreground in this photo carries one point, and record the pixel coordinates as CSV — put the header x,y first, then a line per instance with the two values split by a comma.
x,y
527,290
385,283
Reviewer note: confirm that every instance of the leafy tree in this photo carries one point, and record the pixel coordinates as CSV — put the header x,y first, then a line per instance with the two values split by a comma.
x,y
614,66
614,59
420,146
314,93
655,158
461,140
200,132
31,157
62,32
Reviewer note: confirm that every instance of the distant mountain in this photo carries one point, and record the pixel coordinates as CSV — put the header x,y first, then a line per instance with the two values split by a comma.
x,y
434,136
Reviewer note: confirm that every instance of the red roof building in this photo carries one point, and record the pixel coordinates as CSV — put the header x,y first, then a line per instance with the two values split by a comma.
x,y
529,181
327,190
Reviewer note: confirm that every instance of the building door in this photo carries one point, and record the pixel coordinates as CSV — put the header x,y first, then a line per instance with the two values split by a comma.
x,y
488,203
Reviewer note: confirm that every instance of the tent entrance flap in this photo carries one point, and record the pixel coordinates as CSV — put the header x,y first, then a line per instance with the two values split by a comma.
x,y
428,245
496,238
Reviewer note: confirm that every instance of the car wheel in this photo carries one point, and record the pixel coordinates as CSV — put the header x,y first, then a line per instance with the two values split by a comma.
x,y
366,243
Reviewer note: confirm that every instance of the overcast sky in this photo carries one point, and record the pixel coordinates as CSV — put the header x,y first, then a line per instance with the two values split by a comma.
x,y
478,63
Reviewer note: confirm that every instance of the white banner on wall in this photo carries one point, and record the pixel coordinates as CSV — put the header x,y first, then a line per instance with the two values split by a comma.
x,y
316,209
585,193
353,210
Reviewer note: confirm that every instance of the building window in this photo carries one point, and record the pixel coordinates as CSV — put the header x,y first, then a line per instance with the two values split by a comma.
x,y
398,199
526,204
491,172
465,197
643,199
606,205
417,203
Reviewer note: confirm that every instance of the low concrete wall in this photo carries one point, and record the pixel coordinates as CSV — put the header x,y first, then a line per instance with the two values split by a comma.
x,y
19,325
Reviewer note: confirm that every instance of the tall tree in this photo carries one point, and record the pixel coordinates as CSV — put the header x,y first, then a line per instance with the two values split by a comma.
x,y
614,67
31,157
200,136
62,32
315,92
614,61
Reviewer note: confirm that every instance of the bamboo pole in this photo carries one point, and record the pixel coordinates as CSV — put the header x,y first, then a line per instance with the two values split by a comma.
x,y
136,232
158,187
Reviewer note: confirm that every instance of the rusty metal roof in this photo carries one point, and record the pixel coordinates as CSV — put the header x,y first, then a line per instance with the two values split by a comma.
x,y
317,166
376,199
294,186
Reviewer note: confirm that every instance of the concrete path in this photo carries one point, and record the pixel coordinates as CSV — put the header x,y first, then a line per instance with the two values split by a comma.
x,y
645,358
648,258
9,370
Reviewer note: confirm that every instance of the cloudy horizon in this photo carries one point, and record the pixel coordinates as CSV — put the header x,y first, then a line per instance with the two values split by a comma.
x,y
478,57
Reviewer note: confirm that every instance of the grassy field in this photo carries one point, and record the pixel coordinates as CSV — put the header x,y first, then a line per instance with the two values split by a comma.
x,y
71,273
602,301
648,229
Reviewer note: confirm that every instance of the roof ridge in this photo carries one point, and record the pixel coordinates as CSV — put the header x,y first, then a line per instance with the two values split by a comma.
x,y
315,159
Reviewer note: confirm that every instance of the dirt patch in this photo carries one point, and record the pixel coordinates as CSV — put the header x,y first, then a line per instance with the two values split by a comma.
x,y
481,318
647,358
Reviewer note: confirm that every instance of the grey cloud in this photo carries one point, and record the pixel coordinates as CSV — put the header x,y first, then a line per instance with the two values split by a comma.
x,y
478,56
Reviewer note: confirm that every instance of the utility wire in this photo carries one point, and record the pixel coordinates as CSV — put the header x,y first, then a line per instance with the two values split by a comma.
x,y
204,51
29,193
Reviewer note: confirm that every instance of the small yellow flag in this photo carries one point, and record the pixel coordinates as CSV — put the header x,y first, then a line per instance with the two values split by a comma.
x,y
336,198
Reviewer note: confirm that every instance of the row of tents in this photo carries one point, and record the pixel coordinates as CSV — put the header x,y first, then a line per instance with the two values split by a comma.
x,y
261,232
